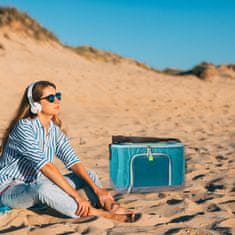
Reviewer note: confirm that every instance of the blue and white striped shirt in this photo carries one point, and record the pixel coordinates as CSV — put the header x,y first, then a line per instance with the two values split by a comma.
x,y
28,149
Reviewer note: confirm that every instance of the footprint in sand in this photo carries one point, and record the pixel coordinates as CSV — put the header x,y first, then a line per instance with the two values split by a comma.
x,y
219,165
185,218
214,185
174,201
233,190
222,230
172,231
198,176
213,208
229,204
201,201
220,157
152,213
201,198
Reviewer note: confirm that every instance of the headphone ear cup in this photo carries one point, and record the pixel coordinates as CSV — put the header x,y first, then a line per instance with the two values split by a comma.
x,y
36,108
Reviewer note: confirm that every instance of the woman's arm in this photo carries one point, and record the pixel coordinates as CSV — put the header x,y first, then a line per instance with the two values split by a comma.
x,y
51,172
81,172
66,153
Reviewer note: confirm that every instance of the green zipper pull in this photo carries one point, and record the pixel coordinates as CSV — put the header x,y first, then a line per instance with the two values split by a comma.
x,y
149,154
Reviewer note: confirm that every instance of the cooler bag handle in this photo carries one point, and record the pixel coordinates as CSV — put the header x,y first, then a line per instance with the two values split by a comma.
x,y
139,139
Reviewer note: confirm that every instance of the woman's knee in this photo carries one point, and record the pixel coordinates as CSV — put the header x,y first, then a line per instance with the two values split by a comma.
x,y
19,196
45,188
56,198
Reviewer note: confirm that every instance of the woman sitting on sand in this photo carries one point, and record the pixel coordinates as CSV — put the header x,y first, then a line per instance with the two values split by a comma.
x,y
27,174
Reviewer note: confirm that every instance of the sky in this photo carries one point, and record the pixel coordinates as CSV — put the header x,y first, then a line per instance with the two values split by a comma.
x,y
161,33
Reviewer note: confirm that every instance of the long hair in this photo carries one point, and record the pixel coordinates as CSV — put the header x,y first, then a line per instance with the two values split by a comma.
x,y
23,110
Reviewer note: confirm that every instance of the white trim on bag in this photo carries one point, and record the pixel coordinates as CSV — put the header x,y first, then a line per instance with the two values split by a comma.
x,y
153,154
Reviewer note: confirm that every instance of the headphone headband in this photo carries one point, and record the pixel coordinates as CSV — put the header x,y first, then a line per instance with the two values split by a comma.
x,y
30,93
35,107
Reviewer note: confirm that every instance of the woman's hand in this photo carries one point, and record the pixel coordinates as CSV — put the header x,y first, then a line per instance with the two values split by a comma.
x,y
83,207
103,195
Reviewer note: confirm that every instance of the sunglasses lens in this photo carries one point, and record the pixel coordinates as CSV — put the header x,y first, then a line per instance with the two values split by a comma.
x,y
51,98
58,95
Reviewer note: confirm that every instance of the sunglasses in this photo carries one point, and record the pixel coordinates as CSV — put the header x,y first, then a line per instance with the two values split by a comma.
x,y
51,98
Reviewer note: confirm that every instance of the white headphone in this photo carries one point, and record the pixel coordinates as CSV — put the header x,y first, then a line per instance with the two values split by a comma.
x,y
35,107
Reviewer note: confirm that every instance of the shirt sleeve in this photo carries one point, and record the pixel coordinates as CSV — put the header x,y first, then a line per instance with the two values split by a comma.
x,y
24,141
65,151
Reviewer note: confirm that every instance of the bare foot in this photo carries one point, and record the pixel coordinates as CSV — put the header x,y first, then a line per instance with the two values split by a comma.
x,y
115,208
128,218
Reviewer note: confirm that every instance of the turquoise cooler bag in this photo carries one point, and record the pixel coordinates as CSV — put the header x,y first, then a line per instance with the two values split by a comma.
x,y
145,164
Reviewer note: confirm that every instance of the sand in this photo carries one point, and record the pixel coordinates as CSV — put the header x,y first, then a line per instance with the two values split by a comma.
x,y
103,99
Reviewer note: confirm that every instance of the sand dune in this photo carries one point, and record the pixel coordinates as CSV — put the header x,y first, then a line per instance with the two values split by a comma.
x,y
104,99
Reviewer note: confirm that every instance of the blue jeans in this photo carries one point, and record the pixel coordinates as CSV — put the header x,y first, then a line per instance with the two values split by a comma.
x,y
44,191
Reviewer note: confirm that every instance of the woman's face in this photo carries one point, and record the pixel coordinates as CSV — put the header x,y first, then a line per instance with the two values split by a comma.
x,y
49,108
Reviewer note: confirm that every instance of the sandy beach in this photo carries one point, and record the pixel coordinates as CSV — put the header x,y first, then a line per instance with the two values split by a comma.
x,y
103,99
